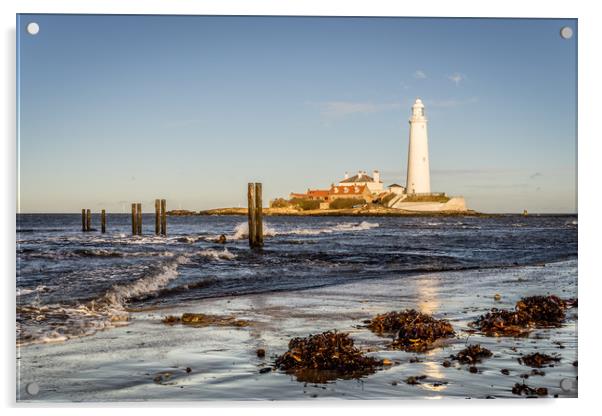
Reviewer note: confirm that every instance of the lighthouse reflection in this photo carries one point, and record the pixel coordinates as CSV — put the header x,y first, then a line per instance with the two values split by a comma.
x,y
428,302
428,294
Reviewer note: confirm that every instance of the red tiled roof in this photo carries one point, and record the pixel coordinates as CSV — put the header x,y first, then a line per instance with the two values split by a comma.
x,y
347,190
319,193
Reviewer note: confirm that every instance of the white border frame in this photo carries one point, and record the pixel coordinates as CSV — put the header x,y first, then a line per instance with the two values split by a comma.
x,y
589,149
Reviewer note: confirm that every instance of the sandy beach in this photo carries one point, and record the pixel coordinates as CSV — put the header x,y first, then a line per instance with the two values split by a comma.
x,y
123,364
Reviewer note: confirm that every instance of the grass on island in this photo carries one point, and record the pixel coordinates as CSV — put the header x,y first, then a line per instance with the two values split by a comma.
x,y
426,198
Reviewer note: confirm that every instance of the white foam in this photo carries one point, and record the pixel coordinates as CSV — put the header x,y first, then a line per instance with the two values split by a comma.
x,y
242,230
22,291
344,227
217,255
104,312
120,293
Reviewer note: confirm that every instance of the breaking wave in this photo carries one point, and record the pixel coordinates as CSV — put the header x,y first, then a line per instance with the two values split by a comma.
x,y
23,291
345,227
217,254
242,230
54,323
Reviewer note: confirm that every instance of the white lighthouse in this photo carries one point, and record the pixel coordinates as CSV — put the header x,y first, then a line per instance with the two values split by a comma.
x,y
419,179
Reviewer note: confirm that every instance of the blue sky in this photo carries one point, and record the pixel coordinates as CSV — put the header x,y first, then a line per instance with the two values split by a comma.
x,y
120,109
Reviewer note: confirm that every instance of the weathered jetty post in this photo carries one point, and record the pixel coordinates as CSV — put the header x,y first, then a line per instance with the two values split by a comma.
x,y
255,215
163,217
83,219
139,220
134,218
88,220
251,213
157,216
258,216
103,221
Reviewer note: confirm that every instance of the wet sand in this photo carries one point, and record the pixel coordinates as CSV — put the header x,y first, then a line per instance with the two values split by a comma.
x,y
123,364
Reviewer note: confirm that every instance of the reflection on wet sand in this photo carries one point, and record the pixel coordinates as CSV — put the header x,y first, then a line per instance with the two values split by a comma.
x,y
427,291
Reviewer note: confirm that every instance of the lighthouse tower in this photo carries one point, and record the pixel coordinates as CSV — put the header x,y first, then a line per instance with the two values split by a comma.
x,y
419,179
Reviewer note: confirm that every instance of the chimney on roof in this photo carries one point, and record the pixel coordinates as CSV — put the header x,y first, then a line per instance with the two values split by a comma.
x,y
346,175
376,175
359,174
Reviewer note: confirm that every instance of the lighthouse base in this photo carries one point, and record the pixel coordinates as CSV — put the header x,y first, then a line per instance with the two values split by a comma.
x,y
454,204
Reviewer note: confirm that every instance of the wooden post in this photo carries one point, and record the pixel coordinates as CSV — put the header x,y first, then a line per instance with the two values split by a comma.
x,y
88,220
139,220
157,216
103,221
83,219
251,213
163,217
258,216
134,218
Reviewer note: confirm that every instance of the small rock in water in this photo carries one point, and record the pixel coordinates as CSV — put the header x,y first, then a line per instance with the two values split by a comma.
x,y
265,370
497,297
412,380
162,377
261,353
446,364
536,372
505,371
473,369
188,369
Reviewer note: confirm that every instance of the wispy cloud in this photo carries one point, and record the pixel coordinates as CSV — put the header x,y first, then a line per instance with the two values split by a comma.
x,y
419,74
345,108
450,102
456,78
536,175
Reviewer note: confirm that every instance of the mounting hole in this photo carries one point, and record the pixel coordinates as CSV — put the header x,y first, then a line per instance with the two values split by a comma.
x,y
32,388
566,32
33,28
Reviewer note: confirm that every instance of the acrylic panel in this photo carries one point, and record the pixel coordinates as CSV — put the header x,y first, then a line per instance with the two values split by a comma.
x,y
295,208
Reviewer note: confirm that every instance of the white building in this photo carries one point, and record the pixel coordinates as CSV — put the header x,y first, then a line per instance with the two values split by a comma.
x,y
396,189
373,183
418,179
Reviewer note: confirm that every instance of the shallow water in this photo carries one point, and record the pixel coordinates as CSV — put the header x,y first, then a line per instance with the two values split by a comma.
x,y
121,364
71,283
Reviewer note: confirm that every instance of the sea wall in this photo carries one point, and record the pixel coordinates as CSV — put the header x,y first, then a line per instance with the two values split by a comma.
x,y
455,204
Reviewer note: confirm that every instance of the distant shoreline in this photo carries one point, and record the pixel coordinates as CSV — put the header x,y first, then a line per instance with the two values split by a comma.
x,y
356,212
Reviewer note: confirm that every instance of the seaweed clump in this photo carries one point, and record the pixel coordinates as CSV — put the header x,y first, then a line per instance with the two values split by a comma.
x,y
543,310
416,332
472,354
537,360
519,389
529,312
202,320
326,356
